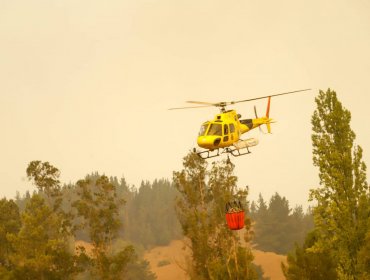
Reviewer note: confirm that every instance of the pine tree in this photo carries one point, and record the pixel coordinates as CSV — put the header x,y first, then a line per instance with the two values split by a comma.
x,y
299,225
216,250
276,227
342,212
152,219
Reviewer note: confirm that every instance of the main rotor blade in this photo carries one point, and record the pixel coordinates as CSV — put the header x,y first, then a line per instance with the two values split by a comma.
x,y
224,104
262,97
203,103
189,107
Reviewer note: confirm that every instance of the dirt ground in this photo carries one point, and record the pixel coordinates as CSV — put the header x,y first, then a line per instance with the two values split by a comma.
x,y
270,263
168,262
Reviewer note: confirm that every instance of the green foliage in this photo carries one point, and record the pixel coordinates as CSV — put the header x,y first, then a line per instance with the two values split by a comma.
x,y
39,243
10,223
364,259
147,218
46,178
216,250
21,201
342,211
260,272
99,206
305,264
139,269
5,274
40,248
151,214
276,226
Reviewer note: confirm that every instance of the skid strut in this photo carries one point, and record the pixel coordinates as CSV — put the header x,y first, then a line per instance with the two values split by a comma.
x,y
215,153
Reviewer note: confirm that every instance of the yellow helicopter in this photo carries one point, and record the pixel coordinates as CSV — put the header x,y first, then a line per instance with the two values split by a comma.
x,y
222,134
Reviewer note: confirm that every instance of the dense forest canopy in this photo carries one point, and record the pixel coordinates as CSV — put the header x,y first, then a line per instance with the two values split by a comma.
x,y
108,213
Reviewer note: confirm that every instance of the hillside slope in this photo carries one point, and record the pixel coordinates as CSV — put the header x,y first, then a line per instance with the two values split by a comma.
x,y
168,262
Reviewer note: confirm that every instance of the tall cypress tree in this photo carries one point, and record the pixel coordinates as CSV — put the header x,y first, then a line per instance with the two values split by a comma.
x,y
342,212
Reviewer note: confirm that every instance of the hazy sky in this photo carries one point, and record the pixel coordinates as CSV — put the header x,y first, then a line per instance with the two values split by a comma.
x,y
86,84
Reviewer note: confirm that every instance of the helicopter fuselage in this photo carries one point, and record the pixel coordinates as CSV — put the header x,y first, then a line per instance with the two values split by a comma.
x,y
225,130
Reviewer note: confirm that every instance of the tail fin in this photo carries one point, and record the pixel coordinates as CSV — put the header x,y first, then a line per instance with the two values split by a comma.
x,y
268,127
268,107
268,115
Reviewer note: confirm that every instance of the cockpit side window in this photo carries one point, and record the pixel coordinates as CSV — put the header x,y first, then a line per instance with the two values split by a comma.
x,y
226,129
232,128
215,129
203,129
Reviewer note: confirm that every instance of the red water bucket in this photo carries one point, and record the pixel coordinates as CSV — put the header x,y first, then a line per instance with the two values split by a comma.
x,y
235,220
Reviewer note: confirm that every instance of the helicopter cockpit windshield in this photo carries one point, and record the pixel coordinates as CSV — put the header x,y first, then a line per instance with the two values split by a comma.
x,y
203,129
215,129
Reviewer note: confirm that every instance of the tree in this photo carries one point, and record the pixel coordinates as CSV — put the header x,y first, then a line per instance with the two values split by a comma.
x,y
217,251
277,227
305,264
41,249
364,258
342,212
99,205
278,223
46,178
261,224
152,217
10,223
299,225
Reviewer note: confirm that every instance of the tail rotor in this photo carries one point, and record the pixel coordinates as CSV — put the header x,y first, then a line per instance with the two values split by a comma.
x,y
266,119
255,113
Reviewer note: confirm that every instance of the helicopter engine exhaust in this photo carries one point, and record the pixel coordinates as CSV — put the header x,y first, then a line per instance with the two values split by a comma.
x,y
242,144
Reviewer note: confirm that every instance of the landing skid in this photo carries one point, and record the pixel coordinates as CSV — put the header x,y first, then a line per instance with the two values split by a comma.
x,y
217,152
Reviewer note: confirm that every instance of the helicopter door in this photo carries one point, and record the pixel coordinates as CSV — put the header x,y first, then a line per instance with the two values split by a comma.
x,y
226,133
232,132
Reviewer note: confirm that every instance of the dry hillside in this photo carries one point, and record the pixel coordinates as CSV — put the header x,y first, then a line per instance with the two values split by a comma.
x,y
167,262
